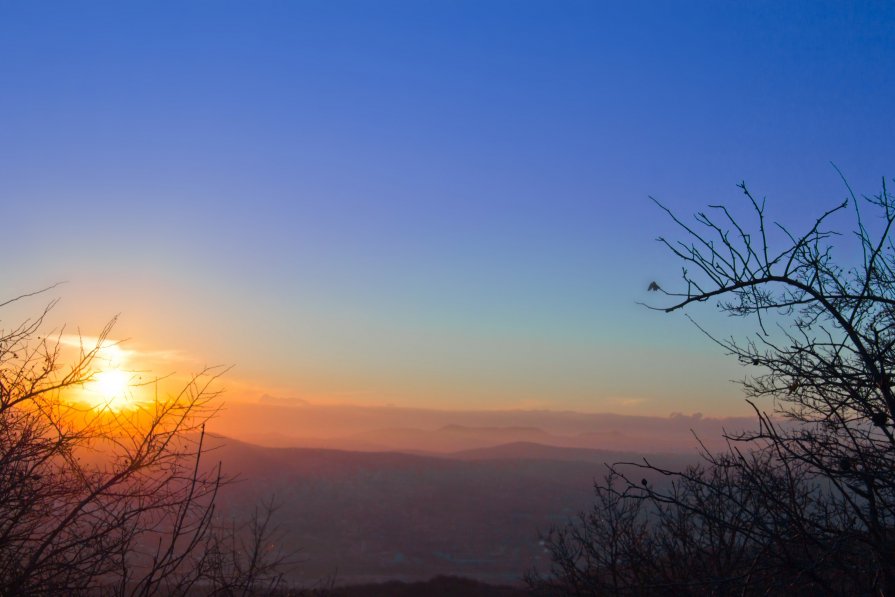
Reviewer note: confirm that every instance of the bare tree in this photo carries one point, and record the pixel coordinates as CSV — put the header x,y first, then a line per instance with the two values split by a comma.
x,y
94,500
806,502
241,558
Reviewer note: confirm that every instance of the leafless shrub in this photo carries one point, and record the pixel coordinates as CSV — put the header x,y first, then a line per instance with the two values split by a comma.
x,y
99,501
807,502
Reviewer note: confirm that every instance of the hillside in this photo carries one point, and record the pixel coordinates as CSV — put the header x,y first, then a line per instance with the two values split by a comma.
x,y
377,516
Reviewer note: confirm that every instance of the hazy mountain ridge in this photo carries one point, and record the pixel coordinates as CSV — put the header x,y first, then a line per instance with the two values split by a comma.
x,y
296,423
374,516
535,451
384,493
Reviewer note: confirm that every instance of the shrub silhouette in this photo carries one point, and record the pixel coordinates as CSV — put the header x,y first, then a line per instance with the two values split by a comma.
x,y
807,502
99,501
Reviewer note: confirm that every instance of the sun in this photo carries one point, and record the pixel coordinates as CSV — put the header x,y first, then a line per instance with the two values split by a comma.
x,y
110,388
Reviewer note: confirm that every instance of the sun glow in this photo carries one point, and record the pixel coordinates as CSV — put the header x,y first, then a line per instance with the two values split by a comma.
x,y
115,378
111,389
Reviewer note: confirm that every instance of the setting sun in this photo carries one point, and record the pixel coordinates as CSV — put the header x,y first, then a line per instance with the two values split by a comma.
x,y
110,389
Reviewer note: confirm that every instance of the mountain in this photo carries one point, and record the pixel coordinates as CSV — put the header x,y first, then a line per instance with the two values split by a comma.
x,y
535,451
276,422
377,516
451,438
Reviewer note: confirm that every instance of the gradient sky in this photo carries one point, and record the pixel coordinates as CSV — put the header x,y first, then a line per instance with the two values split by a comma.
x,y
438,203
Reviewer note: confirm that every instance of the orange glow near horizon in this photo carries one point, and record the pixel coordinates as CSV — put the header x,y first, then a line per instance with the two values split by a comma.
x,y
110,388
113,384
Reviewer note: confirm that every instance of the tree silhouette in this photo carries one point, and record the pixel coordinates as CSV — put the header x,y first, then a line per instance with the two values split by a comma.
x,y
94,500
806,502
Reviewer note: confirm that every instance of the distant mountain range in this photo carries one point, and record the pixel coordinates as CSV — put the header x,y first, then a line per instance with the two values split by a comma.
x,y
534,451
376,516
283,422
385,493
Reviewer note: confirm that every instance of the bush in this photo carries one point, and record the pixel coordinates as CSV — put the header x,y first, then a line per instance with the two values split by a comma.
x,y
807,502
108,500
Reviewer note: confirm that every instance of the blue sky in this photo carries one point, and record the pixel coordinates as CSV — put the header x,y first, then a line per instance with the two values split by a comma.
x,y
421,203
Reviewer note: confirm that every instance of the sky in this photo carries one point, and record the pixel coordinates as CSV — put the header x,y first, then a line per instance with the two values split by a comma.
x,y
431,204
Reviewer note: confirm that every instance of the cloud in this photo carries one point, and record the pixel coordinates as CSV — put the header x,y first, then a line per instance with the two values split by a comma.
x,y
115,354
170,355
626,401
88,342
109,351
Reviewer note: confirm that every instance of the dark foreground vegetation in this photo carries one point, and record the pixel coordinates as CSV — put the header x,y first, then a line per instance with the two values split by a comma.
x,y
440,586
806,504
113,501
